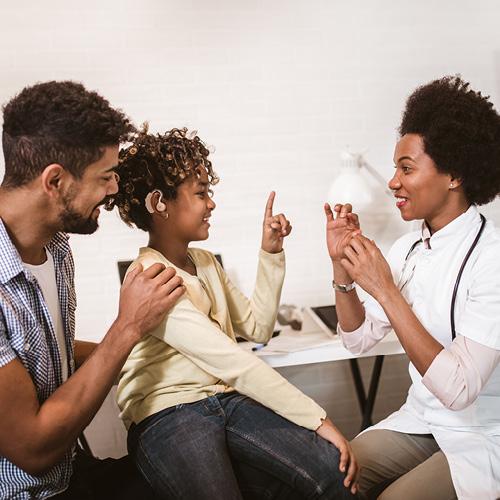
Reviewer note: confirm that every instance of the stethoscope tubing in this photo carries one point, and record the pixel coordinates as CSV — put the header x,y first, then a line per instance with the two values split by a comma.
x,y
460,272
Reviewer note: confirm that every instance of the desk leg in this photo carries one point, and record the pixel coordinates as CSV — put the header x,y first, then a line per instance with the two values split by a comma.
x,y
372,392
358,383
366,403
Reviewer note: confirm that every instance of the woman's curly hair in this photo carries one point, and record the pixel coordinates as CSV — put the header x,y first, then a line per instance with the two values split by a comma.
x,y
461,133
157,161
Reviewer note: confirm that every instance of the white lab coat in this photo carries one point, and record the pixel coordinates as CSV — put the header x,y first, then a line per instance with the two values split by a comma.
x,y
470,438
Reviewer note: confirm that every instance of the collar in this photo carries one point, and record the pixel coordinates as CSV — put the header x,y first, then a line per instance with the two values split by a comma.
x,y
11,263
461,226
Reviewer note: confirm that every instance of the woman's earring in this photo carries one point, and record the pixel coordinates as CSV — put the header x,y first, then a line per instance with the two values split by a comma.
x,y
451,185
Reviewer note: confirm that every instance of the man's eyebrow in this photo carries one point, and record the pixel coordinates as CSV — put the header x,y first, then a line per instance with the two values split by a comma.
x,y
112,169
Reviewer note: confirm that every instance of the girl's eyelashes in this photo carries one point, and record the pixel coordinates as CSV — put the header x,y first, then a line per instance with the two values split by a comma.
x,y
208,193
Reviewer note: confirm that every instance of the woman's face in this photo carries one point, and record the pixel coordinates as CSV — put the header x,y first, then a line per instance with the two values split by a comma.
x,y
190,211
421,191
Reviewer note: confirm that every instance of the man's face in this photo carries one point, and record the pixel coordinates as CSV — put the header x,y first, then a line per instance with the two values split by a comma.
x,y
80,210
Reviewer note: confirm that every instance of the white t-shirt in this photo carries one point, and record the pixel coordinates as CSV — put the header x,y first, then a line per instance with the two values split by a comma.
x,y
46,277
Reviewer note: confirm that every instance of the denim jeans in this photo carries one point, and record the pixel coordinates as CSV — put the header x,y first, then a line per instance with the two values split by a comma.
x,y
228,447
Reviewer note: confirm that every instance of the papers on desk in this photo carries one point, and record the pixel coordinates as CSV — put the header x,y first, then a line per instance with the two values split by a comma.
x,y
292,341
314,333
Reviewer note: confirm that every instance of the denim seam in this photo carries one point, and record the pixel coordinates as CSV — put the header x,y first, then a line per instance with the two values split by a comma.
x,y
153,424
279,458
154,468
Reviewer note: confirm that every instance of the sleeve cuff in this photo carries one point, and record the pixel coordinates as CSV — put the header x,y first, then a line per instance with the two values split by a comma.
x,y
352,341
7,354
272,257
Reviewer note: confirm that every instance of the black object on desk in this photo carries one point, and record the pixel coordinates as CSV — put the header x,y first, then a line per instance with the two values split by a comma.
x,y
328,315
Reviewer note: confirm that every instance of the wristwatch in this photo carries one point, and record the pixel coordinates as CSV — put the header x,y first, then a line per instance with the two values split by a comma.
x,y
343,288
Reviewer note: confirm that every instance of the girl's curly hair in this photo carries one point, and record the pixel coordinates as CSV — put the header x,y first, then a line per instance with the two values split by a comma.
x,y
461,133
157,161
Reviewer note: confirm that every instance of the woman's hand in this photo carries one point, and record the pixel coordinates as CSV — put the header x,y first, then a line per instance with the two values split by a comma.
x,y
275,228
347,463
340,229
367,266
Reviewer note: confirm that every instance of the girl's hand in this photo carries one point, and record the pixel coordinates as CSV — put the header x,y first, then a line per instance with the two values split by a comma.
x,y
275,228
367,266
347,462
340,229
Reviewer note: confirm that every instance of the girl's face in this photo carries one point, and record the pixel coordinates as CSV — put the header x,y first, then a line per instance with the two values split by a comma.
x,y
422,192
189,213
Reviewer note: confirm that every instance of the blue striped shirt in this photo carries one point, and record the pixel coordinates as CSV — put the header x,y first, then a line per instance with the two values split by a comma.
x,y
27,334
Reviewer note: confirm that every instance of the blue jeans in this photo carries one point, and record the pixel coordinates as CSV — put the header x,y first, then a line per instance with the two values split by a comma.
x,y
228,447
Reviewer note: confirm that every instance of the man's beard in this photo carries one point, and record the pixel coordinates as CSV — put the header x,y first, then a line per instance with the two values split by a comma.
x,y
73,222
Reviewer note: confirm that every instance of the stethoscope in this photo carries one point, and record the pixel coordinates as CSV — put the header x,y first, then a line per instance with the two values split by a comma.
x,y
459,276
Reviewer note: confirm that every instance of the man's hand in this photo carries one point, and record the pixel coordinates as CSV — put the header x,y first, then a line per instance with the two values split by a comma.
x,y
146,296
275,228
340,229
34,435
347,463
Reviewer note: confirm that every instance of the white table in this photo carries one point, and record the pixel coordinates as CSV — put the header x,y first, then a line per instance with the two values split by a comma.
x,y
331,349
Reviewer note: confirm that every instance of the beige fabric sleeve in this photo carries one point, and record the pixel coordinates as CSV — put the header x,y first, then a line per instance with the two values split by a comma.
x,y
254,319
457,374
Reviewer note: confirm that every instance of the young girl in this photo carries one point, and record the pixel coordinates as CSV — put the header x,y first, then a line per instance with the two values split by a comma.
x,y
198,407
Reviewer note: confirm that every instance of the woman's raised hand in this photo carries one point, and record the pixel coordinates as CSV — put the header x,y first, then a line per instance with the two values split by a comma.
x,y
275,228
340,229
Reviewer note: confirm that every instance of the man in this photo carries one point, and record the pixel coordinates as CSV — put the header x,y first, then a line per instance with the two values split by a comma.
x,y
60,144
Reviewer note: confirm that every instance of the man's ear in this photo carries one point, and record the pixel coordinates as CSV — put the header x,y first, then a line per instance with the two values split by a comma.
x,y
54,177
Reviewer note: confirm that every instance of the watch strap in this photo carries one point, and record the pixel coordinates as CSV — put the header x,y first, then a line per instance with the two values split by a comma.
x,y
343,288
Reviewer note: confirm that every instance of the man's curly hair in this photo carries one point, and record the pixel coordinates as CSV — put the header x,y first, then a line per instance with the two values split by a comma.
x,y
57,122
157,161
461,133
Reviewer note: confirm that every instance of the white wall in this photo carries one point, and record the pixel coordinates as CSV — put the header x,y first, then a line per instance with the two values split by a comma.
x,y
278,87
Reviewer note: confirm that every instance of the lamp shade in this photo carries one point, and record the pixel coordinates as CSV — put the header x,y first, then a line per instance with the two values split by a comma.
x,y
350,186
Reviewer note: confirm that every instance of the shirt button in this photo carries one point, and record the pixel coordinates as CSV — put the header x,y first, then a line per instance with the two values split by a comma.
x,y
27,346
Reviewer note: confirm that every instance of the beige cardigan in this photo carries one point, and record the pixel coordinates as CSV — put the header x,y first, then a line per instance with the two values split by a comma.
x,y
193,353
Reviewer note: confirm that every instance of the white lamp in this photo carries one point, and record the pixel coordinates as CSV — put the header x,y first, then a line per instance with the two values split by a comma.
x,y
351,185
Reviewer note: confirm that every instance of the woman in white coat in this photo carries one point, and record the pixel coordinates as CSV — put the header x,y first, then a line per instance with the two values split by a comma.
x,y
439,289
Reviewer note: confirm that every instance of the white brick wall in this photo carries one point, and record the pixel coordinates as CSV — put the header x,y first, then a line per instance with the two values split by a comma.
x,y
278,87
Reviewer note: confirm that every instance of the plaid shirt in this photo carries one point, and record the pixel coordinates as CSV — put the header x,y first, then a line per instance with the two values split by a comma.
x,y
27,333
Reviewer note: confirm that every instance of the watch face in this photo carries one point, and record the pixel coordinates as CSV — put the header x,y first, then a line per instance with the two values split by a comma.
x,y
343,288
